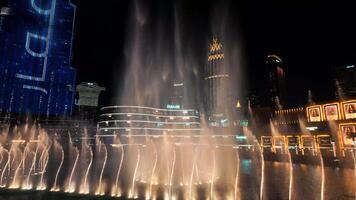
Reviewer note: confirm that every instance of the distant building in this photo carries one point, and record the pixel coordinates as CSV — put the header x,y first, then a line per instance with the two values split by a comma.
x,y
346,81
253,99
277,92
140,120
176,99
36,40
216,93
88,99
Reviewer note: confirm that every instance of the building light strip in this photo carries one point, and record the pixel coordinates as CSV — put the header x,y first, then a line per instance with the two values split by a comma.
x,y
150,108
215,57
51,14
146,121
30,87
217,76
152,115
154,129
160,135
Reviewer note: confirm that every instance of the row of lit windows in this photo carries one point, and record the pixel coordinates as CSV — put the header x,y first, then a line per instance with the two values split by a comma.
x,y
215,57
286,111
147,110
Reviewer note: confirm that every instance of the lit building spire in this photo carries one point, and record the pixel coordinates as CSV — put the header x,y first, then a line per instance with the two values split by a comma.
x,y
216,79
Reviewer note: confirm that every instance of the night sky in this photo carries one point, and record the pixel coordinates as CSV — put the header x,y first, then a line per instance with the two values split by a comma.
x,y
311,37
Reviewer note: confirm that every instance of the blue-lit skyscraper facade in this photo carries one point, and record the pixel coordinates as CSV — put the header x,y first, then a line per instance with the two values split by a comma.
x,y
35,57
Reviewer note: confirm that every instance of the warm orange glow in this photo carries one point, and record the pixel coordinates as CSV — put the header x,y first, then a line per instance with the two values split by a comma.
x,y
18,141
339,115
310,115
341,139
343,105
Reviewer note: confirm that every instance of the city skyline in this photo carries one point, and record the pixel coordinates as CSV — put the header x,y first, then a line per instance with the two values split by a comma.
x,y
303,44
177,100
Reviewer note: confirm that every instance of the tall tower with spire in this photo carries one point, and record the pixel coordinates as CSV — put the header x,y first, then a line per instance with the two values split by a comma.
x,y
216,78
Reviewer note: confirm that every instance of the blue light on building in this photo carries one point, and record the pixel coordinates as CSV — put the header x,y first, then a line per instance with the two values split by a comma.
x,y
36,40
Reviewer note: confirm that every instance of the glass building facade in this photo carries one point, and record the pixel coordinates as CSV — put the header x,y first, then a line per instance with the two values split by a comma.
x,y
35,57
140,120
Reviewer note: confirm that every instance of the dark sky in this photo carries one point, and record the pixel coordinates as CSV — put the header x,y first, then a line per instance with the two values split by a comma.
x,y
312,37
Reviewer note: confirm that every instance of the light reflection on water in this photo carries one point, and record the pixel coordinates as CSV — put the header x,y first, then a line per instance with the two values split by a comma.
x,y
340,183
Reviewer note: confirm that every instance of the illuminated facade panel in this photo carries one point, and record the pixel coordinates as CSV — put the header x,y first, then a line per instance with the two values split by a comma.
x,y
36,49
266,141
332,111
140,120
349,109
314,114
347,131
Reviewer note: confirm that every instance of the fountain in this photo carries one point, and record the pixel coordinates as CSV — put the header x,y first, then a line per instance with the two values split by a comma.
x,y
169,166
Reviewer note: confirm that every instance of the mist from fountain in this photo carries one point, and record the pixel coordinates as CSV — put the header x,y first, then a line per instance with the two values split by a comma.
x,y
167,166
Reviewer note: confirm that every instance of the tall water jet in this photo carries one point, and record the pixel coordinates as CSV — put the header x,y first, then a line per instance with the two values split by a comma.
x,y
16,162
45,158
153,169
262,172
58,148
213,175
117,189
339,91
237,175
71,185
5,169
1,156
86,151
290,175
28,185
132,192
18,154
310,97
354,158
45,142
172,171
322,182
102,146
85,185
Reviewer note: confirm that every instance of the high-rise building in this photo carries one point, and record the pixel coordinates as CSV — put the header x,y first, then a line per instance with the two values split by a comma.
x,y
141,120
216,80
346,81
276,82
36,40
88,99
176,99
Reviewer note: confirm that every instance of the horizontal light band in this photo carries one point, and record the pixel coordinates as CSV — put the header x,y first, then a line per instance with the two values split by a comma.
x,y
155,129
160,135
152,115
145,121
217,76
144,107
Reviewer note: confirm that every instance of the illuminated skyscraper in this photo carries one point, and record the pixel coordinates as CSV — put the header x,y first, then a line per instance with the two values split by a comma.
x,y
276,81
176,99
216,79
35,56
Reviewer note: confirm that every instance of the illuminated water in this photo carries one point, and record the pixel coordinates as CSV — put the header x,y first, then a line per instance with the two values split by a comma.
x,y
338,186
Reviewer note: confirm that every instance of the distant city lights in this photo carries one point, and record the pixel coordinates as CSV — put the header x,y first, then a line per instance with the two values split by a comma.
x,y
173,106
